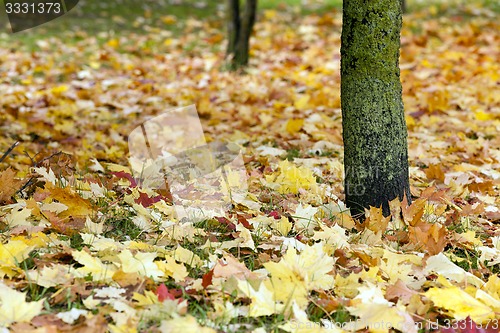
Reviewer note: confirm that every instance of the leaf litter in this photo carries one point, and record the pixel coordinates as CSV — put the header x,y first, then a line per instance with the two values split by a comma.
x,y
87,248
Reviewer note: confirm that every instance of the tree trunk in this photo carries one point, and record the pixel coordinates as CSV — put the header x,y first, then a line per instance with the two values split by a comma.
x,y
374,127
240,26
404,6
233,25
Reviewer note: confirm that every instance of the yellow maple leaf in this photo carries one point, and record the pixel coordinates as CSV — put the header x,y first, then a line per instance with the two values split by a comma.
x,y
50,276
291,178
492,287
263,300
187,324
349,286
270,14
77,206
482,116
300,323
58,90
173,269
14,308
298,273
302,102
141,263
460,304
93,266
294,125
283,226
187,257
377,313
11,254
114,43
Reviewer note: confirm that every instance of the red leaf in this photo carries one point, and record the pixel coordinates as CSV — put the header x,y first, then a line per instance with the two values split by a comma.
x,y
207,279
124,175
163,293
244,221
230,225
146,201
274,214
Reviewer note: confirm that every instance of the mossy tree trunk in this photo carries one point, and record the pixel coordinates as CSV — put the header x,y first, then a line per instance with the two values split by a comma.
x,y
374,127
240,26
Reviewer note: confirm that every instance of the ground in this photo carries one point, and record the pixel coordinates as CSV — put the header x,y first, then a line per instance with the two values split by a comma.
x,y
87,246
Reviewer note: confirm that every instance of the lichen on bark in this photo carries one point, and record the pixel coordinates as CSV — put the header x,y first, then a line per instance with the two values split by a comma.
x,y
374,127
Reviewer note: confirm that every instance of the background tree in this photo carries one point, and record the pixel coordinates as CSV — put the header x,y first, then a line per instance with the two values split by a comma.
x,y
374,127
240,26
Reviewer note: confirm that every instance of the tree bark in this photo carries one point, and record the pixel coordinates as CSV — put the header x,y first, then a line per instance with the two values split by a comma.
x,y
240,26
233,24
374,126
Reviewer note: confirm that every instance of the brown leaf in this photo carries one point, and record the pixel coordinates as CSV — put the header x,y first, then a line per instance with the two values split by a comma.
x,y
375,220
207,279
65,225
230,266
434,171
431,237
400,291
413,213
8,186
77,206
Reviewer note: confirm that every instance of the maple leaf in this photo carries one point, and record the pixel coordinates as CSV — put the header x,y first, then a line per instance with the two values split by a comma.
x,y
183,325
14,308
300,323
298,273
141,262
11,254
8,185
146,201
440,264
288,102
263,299
93,266
460,304
77,206
163,293
378,314
291,178
229,266
375,220
50,276
127,176
171,268
430,237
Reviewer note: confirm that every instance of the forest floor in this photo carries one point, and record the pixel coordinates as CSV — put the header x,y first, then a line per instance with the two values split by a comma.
x,y
87,246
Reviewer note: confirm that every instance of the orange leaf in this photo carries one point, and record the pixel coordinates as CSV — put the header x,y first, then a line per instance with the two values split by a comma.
x,y
376,221
8,185
431,237
77,206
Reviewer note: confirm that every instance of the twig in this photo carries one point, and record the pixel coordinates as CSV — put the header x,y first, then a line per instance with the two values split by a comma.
x,y
36,165
9,151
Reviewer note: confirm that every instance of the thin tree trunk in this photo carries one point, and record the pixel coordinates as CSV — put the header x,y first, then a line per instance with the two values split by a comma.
x,y
233,25
239,30
374,127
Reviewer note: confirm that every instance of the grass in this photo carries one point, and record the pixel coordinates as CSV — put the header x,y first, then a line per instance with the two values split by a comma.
x,y
105,19
94,18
